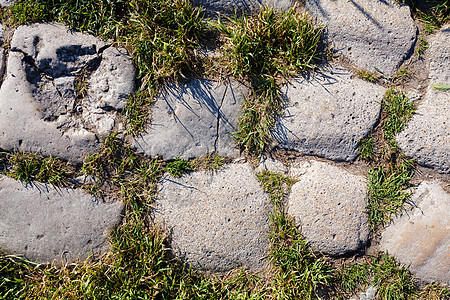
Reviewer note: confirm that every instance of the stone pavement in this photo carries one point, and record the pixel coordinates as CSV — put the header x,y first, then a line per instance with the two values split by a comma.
x,y
61,94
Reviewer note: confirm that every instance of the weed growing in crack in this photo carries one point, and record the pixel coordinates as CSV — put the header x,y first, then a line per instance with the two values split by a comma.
x,y
210,162
367,76
399,110
114,161
31,167
270,43
433,17
178,167
392,281
388,178
260,113
387,191
101,17
367,148
421,47
163,37
264,49
299,273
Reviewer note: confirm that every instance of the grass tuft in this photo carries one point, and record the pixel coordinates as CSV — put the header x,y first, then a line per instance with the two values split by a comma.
x,y
435,16
392,280
399,110
178,167
32,167
271,43
299,273
367,148
421,47
387,192
263,49
388,178
367,76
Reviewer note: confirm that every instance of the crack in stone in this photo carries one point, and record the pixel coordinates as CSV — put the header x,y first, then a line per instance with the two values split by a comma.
x,y
219,114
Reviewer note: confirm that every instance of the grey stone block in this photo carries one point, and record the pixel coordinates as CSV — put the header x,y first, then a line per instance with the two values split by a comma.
x,y
420,236
44,223
218,221
426,138
326,115
439,56
7,3
372,34
41,108
329,204
193,119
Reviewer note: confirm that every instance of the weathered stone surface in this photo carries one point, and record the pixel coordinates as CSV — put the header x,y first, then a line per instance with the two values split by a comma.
x,y
2,55
328,114
439,55
271,165
7,2
213,8
193,119
426,138
42,106
420,237
44,223
372,34
218,221
329,203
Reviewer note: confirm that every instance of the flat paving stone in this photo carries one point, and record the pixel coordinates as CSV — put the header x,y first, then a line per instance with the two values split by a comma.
x,y
217,221
439,55
372,34
193,119
214,8
42,108
326,115
420,236
329,204
2,55
46,224
426,138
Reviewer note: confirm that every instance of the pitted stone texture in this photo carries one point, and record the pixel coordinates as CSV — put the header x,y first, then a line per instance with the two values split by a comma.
x,y
439,54
2,64
193,119
426,137
40,110
44,223
372,34
213,8
2,55
420,237
7,2
329,203
218,221
328,114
